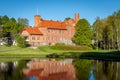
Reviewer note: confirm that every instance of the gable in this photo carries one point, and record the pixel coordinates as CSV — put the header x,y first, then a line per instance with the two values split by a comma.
x,y
24,32
32,31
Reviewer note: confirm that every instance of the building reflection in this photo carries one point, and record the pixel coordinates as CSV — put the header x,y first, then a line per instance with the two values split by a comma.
x,y
50,70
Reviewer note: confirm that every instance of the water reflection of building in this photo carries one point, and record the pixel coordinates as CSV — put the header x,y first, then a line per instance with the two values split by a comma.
x,y
50,70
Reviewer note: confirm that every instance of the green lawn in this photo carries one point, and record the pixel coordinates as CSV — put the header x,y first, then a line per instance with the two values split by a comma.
x,y
42,51
13,53
16,51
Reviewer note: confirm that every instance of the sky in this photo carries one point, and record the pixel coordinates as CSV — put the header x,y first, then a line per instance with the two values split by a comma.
x,y
58,9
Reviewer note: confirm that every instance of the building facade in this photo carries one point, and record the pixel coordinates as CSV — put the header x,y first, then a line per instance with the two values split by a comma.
x,y
49,32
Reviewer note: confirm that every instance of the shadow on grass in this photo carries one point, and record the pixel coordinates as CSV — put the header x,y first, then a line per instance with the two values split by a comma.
x,y
108,56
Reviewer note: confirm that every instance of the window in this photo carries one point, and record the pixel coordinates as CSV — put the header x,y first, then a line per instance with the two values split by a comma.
x,y
59,31
48,38
56,31
51,30
38,38
52,38
38,43
33,37
48,30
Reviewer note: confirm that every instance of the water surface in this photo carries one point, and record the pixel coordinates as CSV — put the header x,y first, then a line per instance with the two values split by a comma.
x,y
60,69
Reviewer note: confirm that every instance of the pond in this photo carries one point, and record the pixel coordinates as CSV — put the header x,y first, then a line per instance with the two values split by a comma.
x,y
59,69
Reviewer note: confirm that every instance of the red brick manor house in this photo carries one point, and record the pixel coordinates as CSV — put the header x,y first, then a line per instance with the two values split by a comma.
x,y
49,32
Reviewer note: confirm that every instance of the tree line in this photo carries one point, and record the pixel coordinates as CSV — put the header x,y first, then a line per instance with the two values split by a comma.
x,y
107,31
104,32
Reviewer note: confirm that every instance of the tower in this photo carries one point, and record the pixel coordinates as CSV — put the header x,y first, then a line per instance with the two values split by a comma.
x,y
37,19
76,17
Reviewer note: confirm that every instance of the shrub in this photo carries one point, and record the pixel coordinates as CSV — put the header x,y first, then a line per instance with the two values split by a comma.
x,y
21,42
59,44
53,55
44,48
71,47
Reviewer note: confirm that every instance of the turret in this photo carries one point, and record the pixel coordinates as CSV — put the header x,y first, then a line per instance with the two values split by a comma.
x,y
76,17
37,19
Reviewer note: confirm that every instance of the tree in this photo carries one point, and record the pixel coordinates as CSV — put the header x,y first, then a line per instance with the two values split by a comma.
x,y
10,25
13,27
21,41
10,28
83,33
110,32
1,28
107,31
23,21
100,32
116,16
1,31
68,18
5,19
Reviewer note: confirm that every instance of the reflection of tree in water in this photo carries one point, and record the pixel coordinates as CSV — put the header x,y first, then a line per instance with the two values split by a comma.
x,y
5,70
8,71
107,70
83,68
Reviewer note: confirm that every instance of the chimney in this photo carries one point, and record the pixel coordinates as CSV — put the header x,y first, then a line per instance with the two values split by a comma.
x,y
76,17
37,19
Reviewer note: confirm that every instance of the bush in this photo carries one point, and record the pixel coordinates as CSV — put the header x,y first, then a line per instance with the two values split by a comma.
x,y
59,46
21,42
44,48
69,47
93,47
53,55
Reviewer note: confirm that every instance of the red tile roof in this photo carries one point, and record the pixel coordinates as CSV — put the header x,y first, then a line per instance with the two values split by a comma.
x,y
34,31
52,24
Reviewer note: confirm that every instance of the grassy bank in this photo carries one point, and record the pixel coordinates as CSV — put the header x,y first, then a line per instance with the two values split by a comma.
x,y
93,55
42,51
13,53
16,53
